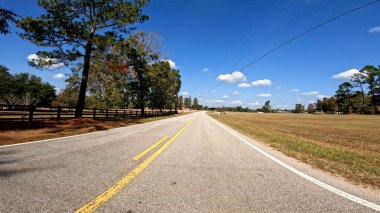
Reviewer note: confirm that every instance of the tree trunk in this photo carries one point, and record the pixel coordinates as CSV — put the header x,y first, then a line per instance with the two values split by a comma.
x,y
373,102
83,85
141,95
362,109
176,104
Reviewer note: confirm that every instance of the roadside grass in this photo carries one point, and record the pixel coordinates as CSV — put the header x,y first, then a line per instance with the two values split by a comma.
x,y
347,145
19,132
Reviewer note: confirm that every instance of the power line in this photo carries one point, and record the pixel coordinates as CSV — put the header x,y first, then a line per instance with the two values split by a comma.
x,y
296,37
307,31
258,26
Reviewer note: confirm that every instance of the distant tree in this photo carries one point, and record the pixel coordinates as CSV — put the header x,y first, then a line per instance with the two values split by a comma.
x,y
299,108
24,89
329,105
6,16
180,102
188,103
267,107
196,104
6,82
310,109
70,29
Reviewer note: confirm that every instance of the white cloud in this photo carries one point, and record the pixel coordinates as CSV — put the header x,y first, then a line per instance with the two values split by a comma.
x,y
58,76
263,82
346,75
233,77
264,95
322,96
185,93
244,85
313,93
205,70
295,90
374,30
171,63
33,58
278,87
225,96
234,93
237,102
311,102
255,103
218,101
57,91
213,91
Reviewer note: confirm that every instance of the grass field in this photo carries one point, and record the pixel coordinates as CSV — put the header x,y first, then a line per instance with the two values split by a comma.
x,y
348,145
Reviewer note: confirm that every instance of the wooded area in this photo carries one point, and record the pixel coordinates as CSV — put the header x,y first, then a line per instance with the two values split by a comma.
x,y
112,64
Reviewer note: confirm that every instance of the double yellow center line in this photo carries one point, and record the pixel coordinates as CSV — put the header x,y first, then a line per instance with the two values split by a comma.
x,y
109,193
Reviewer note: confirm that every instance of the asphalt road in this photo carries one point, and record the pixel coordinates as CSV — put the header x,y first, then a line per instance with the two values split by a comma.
x,y
200,167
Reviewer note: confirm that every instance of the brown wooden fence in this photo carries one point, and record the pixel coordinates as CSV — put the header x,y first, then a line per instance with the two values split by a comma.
x,y
31,113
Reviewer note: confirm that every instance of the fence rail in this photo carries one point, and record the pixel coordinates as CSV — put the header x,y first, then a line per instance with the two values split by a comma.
x,y
30,113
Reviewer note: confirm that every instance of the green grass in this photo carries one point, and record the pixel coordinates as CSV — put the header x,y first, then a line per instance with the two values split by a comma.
x,y
348,145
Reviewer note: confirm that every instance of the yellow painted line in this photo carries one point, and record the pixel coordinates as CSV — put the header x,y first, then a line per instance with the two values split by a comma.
x,y
142,154
105,196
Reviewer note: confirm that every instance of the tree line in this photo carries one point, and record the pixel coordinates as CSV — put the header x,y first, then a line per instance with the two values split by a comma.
x,y
24,89
112,64
351,96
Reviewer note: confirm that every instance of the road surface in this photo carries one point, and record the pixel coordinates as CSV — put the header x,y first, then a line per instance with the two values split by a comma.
x,y
198,165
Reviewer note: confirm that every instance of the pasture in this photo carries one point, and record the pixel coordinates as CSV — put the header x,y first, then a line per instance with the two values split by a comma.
x,y
347,145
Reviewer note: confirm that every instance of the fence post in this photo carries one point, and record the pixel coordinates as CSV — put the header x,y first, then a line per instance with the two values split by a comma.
x,y
136,114
106,114
31,108
116,113
59,113
124,114
94,113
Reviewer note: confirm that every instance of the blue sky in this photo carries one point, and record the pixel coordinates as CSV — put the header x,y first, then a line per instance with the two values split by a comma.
x,y
208,39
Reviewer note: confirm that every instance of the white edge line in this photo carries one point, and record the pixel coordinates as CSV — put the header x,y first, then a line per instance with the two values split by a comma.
x,y
307,177
71,136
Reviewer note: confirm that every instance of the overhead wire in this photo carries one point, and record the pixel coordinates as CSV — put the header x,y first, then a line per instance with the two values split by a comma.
x,y
257,28
295,38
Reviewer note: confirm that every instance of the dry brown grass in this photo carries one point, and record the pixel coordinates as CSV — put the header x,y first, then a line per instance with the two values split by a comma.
x,y
18,132
348,145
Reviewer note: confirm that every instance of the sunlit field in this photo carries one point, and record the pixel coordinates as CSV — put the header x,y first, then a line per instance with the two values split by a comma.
x,y
348,145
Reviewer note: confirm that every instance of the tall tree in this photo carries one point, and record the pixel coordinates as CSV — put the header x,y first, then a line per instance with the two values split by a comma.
x,y
141,50
159,79
371,74
358,80
176,84
343,95
6,16
70,28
